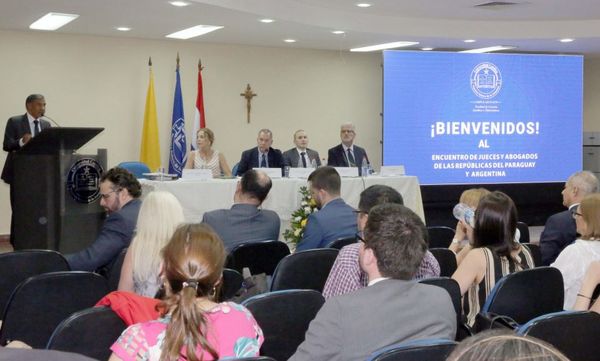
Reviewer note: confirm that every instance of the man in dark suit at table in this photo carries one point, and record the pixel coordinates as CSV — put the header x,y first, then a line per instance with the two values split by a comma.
x,y
245,221
261,156
19,131
347,154
335,219
301,156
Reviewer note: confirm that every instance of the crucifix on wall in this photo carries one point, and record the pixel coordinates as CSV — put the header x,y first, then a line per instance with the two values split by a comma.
x,y
248,94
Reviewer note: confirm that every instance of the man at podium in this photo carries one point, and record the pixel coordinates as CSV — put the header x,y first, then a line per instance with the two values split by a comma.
x,y
19,130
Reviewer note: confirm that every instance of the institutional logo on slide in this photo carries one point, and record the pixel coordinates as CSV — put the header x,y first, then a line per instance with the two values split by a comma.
x,y
486,80
83,180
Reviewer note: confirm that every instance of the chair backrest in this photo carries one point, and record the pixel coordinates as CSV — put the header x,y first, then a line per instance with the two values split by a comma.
x,y
574,333
232,282
342,242
90,332
453,289
440,236
527,294
524,230
235,168
16,267
536,253
136,168
447,260
284,317
114,275
41,302
304,270
259,257
418,350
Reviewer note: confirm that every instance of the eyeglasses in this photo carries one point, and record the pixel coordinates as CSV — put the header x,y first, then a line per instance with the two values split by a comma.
x,y
359,235
358,211
575,214
107,195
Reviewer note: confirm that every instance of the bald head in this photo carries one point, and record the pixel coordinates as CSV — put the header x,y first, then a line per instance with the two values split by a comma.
x,y
256,185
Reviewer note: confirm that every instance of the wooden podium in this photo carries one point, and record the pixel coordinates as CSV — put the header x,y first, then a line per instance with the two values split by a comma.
x,y
56,191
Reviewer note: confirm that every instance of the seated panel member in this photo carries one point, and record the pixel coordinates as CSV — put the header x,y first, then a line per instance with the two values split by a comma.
x,y
261,156
205,157
347,154
301,156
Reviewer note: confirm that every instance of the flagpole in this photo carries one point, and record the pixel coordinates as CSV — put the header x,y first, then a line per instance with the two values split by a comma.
x,y
178,150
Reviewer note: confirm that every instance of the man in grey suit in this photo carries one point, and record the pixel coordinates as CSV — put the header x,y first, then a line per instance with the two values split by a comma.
x,y
392,308
245,221
347,154
301,156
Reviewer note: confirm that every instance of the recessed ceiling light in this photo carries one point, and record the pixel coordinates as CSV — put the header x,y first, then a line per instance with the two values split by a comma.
x,y
397,44
289,40
123,28
426,49
338,32
179,3
266,21
363,5
469,41
52,21
566,40
193,31
489,49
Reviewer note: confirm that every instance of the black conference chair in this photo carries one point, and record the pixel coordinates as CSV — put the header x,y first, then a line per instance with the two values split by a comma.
x,y
523,296
524,230
304,270
259,257
536,253
114,275
16,267
418,350
440,236
232,282
41,302
447,260
453,289
342,242
90,332
574,333
284,317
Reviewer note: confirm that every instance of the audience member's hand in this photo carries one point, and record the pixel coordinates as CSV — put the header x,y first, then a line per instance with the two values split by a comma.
x,y
590,281
26,138
461,231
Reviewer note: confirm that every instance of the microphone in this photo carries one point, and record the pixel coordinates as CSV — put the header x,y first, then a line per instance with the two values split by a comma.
x,y
50,119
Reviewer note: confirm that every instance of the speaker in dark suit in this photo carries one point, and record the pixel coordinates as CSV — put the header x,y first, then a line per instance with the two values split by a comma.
x,y
347,154
261,156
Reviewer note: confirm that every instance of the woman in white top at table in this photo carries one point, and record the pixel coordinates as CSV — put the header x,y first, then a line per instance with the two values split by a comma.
x,y
206,157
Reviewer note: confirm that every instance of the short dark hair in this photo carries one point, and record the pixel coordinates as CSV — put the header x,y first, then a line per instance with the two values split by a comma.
x,y
256,184
495,223
378,194
396,236
327,179
33,97
122,178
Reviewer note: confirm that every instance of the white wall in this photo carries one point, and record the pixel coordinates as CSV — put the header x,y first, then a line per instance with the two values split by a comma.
x,y
101,81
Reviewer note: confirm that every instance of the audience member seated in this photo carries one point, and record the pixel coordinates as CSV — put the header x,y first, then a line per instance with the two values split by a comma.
x,y
471,198
347,154
192,323
245,221
159,216
119,193
492,252
346,275
335,219
261,156
205,157
301,156
392,308
560,229
591,280
503,345
574,260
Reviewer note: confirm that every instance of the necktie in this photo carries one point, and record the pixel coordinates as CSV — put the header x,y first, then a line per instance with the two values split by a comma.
x,y
263,161
303,154
351,158
36,129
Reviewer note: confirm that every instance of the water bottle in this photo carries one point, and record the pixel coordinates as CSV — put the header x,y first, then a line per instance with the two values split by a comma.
x,y
464,213
364,169
313,163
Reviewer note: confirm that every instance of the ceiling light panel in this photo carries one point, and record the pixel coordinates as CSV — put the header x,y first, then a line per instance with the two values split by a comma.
x,y
193,32
52,21
397,44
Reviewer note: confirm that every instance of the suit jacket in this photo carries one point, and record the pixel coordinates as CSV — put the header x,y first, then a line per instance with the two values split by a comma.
x,y
291,158
560,231
115,235
352,326
243,223
335,220
249,160
336,157
16,128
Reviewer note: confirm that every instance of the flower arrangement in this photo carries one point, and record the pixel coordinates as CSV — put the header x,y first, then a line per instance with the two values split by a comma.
x,y
300,216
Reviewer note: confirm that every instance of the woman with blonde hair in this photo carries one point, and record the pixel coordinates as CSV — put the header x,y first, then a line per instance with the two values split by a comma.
x,y
192,326
574,260
206,157
469,197
160,214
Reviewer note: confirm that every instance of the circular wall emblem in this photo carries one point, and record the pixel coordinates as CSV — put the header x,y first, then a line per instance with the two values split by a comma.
x,y
486,80
83,180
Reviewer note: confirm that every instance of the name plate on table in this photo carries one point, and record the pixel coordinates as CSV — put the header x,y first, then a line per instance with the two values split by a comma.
x,y
392,171
347,171
196,174
300,172
271,172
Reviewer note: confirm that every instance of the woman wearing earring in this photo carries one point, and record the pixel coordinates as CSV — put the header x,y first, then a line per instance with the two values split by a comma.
x,y
206,157
192,327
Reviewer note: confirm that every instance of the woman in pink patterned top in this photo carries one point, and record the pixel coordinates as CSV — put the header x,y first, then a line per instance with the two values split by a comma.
x,y
192,327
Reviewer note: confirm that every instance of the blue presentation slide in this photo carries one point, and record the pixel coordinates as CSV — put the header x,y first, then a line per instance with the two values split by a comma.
x,y
454,118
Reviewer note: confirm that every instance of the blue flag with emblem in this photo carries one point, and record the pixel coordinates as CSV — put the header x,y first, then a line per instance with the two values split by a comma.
x,y
178,153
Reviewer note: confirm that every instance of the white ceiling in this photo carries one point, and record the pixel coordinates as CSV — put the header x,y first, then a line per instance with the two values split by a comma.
x,y
532,26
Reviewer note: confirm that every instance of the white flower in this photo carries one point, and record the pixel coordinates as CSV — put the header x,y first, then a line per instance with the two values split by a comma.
x,y
298,219
297,232
307,210
304,203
